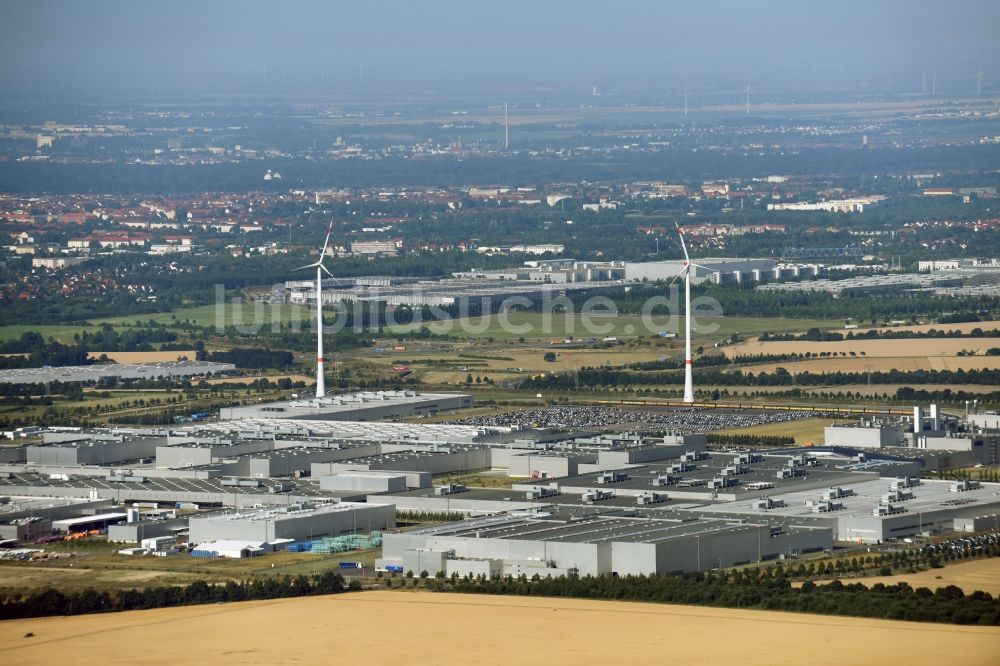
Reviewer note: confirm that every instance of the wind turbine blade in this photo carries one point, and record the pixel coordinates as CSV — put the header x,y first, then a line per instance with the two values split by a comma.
x,y
302,268
325,244
326,270
683,246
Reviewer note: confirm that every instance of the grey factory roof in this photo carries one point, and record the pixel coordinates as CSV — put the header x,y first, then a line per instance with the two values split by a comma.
x,y
448,290
277,514
587,529
475,494
341,404
409,454
92,373
641,477
162,484
18,504
930,495
952,282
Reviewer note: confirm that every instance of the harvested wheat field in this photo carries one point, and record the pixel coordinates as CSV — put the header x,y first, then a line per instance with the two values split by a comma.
x,y
396,627
875,348
144,356
890,389
250,380
965,327
872,364
983,575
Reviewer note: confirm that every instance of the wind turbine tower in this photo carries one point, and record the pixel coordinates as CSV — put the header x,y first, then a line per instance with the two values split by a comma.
x,y
688,377
686,273
979,83
685,101
748,99
320,268
506,129
934,81
923,83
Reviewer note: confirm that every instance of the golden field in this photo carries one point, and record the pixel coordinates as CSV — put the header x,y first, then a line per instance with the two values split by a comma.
x,y
397,627
803,430
496,363
145,356
981,575
270,377
876,348
966,327
880,364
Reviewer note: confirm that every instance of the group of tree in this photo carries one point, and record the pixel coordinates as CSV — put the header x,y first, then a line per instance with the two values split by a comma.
x,y
252,358
769,441
56,602
32,350
428,516
817,335
769,589
607,376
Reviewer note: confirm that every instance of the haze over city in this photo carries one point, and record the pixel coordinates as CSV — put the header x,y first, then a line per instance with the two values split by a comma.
x,y
554,332
108,49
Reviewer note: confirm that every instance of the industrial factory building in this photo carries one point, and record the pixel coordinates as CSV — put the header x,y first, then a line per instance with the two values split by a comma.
x,y
597,544
873,510
298,522
98,371
26,519
368,406
966,443
89,449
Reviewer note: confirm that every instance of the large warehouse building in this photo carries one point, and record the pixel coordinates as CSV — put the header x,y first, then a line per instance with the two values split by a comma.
x,y
367,406
93,373
597,544
298,522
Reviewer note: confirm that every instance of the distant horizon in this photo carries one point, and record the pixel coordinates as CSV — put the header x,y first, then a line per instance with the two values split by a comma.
x,y
109,49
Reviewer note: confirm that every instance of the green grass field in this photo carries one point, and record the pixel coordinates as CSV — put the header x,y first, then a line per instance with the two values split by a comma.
x,y
210,315
63,334
517,324
97,565
534,325
246,314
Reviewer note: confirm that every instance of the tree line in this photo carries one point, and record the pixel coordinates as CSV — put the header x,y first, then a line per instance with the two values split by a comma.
x,y
604,376
51,601
769,441
817,335
254,358
761,589
34,351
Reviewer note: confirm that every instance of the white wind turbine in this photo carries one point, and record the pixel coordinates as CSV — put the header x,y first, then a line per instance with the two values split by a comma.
x,y
320,379
686,273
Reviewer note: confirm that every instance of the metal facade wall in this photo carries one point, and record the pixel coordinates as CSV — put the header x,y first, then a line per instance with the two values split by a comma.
x,y
300,528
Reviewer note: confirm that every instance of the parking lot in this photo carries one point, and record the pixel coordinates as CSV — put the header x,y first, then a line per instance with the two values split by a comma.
x,y
680,420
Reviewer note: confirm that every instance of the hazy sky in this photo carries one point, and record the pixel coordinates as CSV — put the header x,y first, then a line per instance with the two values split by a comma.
x,y
248,44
